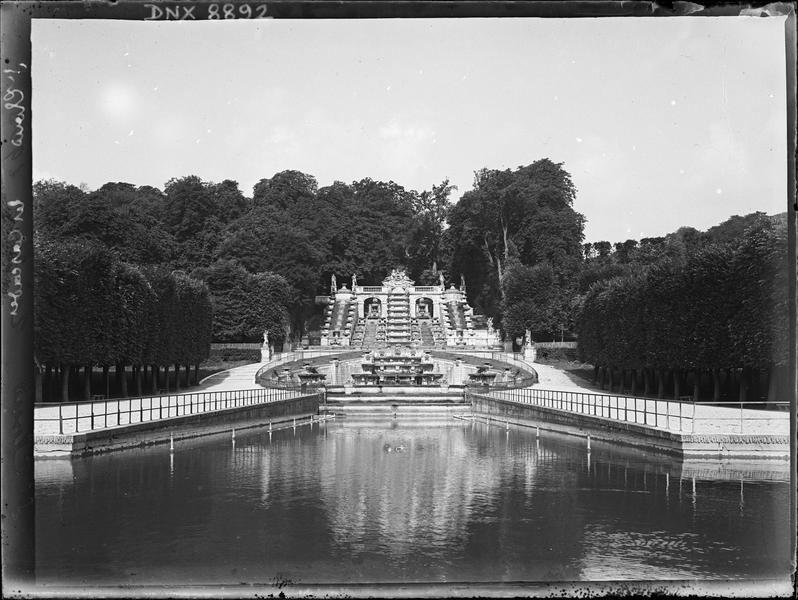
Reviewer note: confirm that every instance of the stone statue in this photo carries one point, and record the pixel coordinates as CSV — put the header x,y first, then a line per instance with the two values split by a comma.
x,y
333,285
354,281
530,352
462,283
440,278
265,350
490,324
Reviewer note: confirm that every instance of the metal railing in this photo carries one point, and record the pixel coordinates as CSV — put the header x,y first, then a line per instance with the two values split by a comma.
x,y
685,417
81,417
237,346
524,382
618,408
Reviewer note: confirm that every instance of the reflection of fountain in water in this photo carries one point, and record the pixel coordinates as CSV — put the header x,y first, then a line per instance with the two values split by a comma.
x,y
420,487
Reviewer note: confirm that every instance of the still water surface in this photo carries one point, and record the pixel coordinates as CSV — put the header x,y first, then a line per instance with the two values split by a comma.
x,y
401,501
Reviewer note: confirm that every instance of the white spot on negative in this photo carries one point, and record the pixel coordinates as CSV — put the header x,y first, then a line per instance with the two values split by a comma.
x,y
718,191
673,102
579,140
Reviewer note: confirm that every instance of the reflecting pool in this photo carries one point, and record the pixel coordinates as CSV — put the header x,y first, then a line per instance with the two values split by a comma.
x,y
404,501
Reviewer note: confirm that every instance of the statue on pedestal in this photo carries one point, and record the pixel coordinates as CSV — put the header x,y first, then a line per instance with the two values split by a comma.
x,y
490,325
354,281
530,352
265,349
333,285
440,278
462,283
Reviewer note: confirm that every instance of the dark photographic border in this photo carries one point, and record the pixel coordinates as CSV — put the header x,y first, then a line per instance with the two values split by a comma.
x,y
18,387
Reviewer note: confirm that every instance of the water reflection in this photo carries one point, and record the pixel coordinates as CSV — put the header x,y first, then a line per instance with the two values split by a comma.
x,y
400,500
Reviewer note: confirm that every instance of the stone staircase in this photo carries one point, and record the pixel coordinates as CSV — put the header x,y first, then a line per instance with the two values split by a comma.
x,y
427,338
339,319
415,332
398,330
359,334
369,333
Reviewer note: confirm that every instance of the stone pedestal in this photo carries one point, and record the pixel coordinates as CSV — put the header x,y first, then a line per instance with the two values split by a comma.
x,y
530,353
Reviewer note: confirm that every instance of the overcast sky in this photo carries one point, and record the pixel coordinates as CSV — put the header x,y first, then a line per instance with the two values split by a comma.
x,y
661,122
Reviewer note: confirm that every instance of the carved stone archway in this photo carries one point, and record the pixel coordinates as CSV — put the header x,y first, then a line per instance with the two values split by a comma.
x,y
424,307
372,307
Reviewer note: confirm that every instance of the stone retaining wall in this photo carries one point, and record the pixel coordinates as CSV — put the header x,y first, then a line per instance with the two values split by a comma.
x,y
632,434
182,427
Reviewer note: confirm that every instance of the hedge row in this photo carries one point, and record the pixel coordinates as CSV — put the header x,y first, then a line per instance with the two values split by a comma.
x,y
94,310
719,314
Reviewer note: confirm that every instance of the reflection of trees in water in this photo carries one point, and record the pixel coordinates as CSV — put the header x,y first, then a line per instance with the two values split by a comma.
x,y
467,501
278,477
468,493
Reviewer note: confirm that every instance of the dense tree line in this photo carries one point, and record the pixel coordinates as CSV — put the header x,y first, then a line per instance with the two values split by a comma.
x,y
284,242
515,237
93,310
704,316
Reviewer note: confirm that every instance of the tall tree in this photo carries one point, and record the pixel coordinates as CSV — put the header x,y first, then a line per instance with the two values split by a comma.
x,y
246,304
525,214
425,237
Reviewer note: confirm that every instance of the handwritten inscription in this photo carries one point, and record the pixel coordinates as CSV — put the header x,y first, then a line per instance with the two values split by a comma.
x,y
215,11
17,237
13,100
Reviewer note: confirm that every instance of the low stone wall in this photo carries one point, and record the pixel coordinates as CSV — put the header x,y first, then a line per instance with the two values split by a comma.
x,y
182,427
632,434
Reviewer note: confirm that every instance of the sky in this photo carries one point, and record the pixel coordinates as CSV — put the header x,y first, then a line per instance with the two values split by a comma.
x,y
661,122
